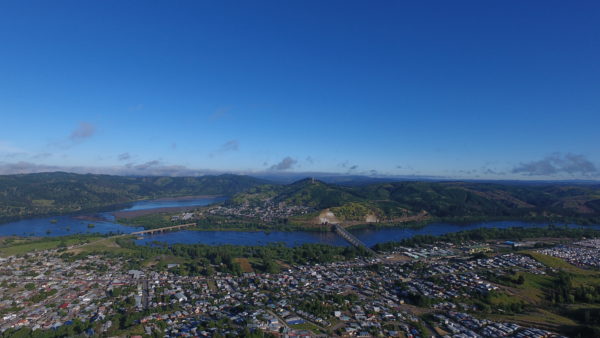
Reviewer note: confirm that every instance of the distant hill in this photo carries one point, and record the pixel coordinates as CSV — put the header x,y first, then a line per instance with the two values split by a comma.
x,y
357,180
50,193
387,202
340,179
397,201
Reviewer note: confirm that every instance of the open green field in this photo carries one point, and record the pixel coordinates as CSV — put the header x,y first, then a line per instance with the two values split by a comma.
x,y
580,276
532,289
503,299
106,244
561,264
539,318
537,289
22,246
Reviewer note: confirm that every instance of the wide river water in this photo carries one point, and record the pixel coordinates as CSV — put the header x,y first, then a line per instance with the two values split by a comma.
x,y
104,221
69,225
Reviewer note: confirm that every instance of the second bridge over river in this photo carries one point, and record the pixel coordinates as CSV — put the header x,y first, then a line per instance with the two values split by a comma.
x,y
165,229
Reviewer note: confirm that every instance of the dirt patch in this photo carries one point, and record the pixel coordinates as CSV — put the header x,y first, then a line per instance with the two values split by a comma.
x,y
244,264
99,245
440,331
283,265
327,217
397,258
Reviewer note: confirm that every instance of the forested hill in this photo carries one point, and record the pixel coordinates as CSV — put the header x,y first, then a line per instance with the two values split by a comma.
x,y
52,193
49,193
439,200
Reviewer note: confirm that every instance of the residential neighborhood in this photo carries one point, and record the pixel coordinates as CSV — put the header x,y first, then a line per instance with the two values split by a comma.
x,y
584,253
393,295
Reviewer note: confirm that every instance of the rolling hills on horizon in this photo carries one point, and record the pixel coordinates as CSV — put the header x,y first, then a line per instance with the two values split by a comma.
x,y
29,195
454,200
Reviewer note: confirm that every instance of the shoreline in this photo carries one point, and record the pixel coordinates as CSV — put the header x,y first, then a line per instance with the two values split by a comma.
x,y
183,198
143,212
91,213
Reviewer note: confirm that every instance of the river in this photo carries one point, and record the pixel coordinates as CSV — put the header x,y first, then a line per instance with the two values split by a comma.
x,y
292,238
70,224
73,224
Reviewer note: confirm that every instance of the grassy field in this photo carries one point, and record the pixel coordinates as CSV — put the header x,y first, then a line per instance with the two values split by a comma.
x,y
503,299
539,318
561,264
580,276
107,244
22,246
532,289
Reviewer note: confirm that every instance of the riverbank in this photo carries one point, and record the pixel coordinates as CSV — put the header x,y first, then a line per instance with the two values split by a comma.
x,y
187,198
129,214
103,221
93,213
156,220
369,236
462,221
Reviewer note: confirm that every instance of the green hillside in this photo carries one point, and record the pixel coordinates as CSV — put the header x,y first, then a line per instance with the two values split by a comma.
x,y
50,193
54,193
439,200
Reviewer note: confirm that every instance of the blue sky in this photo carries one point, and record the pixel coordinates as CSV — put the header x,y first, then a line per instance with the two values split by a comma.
x,y
460,89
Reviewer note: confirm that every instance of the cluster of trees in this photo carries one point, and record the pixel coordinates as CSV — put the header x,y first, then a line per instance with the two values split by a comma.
x,y
205,259
510,279
77,327
40,296
321,305
588,316
562,290
317,306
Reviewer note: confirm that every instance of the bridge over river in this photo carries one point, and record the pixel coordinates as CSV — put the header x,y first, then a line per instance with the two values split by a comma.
x,y
351,238
165,229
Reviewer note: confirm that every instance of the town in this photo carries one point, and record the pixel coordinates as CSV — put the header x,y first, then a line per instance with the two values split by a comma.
x,y
266,211
432,290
